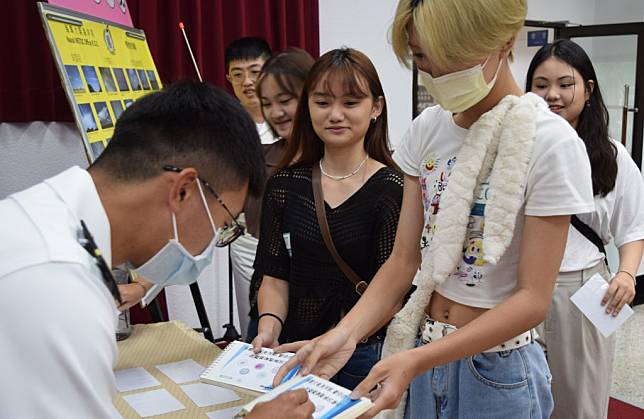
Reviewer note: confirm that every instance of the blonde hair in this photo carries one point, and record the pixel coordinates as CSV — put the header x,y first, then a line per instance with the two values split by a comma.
x,y
456,31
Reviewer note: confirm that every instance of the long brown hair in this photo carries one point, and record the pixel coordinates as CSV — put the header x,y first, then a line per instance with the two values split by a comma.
x,y
353,69
289,68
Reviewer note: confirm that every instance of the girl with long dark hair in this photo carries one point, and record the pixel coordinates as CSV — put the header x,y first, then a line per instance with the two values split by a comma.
x,y
580,358
340,132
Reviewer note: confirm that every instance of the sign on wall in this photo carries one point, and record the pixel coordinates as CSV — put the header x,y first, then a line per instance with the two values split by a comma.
x,y
112,10
104,68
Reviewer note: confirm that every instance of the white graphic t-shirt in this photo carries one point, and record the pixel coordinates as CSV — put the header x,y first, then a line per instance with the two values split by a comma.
x,y
558,183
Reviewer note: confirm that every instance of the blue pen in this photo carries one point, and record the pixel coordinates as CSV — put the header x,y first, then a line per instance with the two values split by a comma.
x,y
291,373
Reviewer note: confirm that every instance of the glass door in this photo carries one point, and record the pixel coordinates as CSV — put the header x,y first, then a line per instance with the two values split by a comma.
x,y
617,53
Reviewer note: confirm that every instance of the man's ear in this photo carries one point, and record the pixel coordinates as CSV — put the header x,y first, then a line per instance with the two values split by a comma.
x,y
181,186
228,78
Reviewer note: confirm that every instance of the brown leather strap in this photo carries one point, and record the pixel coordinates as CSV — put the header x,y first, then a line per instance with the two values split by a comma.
x,y
359,285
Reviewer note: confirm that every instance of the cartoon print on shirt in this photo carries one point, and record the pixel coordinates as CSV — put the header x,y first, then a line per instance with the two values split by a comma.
x,y
433,180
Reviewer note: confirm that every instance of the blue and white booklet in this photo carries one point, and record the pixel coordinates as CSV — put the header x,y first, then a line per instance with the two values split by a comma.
x,y
241,368
330,399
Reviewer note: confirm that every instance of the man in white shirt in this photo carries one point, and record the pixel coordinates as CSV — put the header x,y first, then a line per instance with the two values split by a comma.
x,y
244,59
146,202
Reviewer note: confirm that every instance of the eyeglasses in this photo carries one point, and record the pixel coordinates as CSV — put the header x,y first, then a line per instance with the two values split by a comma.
x,y
229,233
237,76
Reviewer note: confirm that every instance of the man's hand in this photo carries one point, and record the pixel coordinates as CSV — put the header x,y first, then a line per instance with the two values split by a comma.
x,y
292,404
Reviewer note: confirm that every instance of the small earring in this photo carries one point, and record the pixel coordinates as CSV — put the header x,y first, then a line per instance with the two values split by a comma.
x,y
374,119
588,103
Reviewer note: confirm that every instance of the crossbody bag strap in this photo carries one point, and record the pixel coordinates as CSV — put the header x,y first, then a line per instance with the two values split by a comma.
x,y
588,233
359,285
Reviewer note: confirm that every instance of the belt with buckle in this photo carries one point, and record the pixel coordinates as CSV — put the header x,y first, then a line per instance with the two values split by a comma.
x,y
432,330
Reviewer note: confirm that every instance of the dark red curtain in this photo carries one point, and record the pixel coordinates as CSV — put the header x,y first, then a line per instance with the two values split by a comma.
x,y
30,88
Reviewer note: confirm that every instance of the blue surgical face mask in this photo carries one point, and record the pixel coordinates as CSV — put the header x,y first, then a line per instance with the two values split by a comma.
x,y
173,264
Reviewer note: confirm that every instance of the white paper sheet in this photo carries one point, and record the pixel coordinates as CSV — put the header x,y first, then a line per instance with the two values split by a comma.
x,y
588,299
224,414
134,379
151,403
182,371
207,394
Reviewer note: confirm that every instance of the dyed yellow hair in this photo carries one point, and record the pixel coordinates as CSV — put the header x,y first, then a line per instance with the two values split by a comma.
x,y
456,31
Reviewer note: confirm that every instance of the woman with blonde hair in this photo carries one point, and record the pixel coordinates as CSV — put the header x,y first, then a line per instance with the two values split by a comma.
x,y
491,179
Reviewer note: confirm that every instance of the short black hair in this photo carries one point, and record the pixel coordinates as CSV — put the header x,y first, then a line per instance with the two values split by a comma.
x,y
187,124
248,48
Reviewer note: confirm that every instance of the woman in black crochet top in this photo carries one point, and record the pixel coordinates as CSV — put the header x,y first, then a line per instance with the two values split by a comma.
x,y
341,127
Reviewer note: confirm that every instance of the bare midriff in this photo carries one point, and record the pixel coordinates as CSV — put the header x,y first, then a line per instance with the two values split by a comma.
x,y
442,309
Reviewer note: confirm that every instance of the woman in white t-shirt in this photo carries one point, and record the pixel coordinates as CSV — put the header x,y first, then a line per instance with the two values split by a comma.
x,y
491,179
580,358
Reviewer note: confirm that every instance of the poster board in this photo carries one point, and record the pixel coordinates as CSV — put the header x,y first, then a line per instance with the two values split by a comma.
x,y
104,67
112,10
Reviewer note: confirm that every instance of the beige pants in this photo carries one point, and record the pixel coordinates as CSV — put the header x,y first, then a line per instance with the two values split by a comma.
x,y
579,356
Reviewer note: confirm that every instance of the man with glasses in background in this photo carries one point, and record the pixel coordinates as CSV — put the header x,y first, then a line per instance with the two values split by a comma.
x,y
244,59
164,193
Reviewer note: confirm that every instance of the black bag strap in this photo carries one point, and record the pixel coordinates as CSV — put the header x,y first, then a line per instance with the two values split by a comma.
x,y
588,233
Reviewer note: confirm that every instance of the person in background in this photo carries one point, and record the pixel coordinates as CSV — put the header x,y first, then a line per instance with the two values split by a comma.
x,y
278,87
491,179
579,356
160,198
340,132
244,59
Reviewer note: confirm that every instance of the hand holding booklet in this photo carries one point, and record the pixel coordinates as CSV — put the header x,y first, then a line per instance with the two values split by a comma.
x,y
239,367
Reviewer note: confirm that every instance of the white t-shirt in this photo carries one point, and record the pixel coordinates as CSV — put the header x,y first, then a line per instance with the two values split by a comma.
x,y
558,183
619,216
266,133
57,318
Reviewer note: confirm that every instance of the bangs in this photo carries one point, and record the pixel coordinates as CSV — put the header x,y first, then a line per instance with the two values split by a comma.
x,y
348,78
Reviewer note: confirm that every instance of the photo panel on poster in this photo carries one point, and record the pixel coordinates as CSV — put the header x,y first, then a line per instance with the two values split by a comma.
x,y
117,108
103,115
108,80
75,78
97,148
120,79
144,79
87,117
92,79
154,84
134,79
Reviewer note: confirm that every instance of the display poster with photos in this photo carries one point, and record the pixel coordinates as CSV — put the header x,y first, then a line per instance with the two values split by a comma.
x,y
104,68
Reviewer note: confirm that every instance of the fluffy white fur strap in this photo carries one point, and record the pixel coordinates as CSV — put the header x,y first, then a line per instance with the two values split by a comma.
x,y
498,147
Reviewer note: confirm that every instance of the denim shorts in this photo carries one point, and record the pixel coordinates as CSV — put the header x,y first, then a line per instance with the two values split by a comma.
x,y
510,384
359,365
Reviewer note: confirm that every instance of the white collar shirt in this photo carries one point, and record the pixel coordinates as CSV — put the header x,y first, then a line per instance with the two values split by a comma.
x,y
57,317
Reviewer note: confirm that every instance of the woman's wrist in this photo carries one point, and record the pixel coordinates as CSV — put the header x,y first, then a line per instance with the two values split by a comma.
x,y
627,274
271,323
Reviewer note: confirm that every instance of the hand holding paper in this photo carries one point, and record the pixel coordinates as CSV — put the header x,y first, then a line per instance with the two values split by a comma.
x,y
588,299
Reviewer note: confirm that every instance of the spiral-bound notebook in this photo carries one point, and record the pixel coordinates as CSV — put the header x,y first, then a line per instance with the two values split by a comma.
x,y
239,367
330,400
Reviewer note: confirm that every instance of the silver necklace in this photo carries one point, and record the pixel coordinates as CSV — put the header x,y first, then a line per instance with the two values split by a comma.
x,y
338,178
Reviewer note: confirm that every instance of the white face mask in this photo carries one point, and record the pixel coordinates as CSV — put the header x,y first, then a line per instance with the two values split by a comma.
x,y
173,264
459,91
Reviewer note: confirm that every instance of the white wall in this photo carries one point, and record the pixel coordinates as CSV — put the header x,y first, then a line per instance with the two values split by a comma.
x,y
364,25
